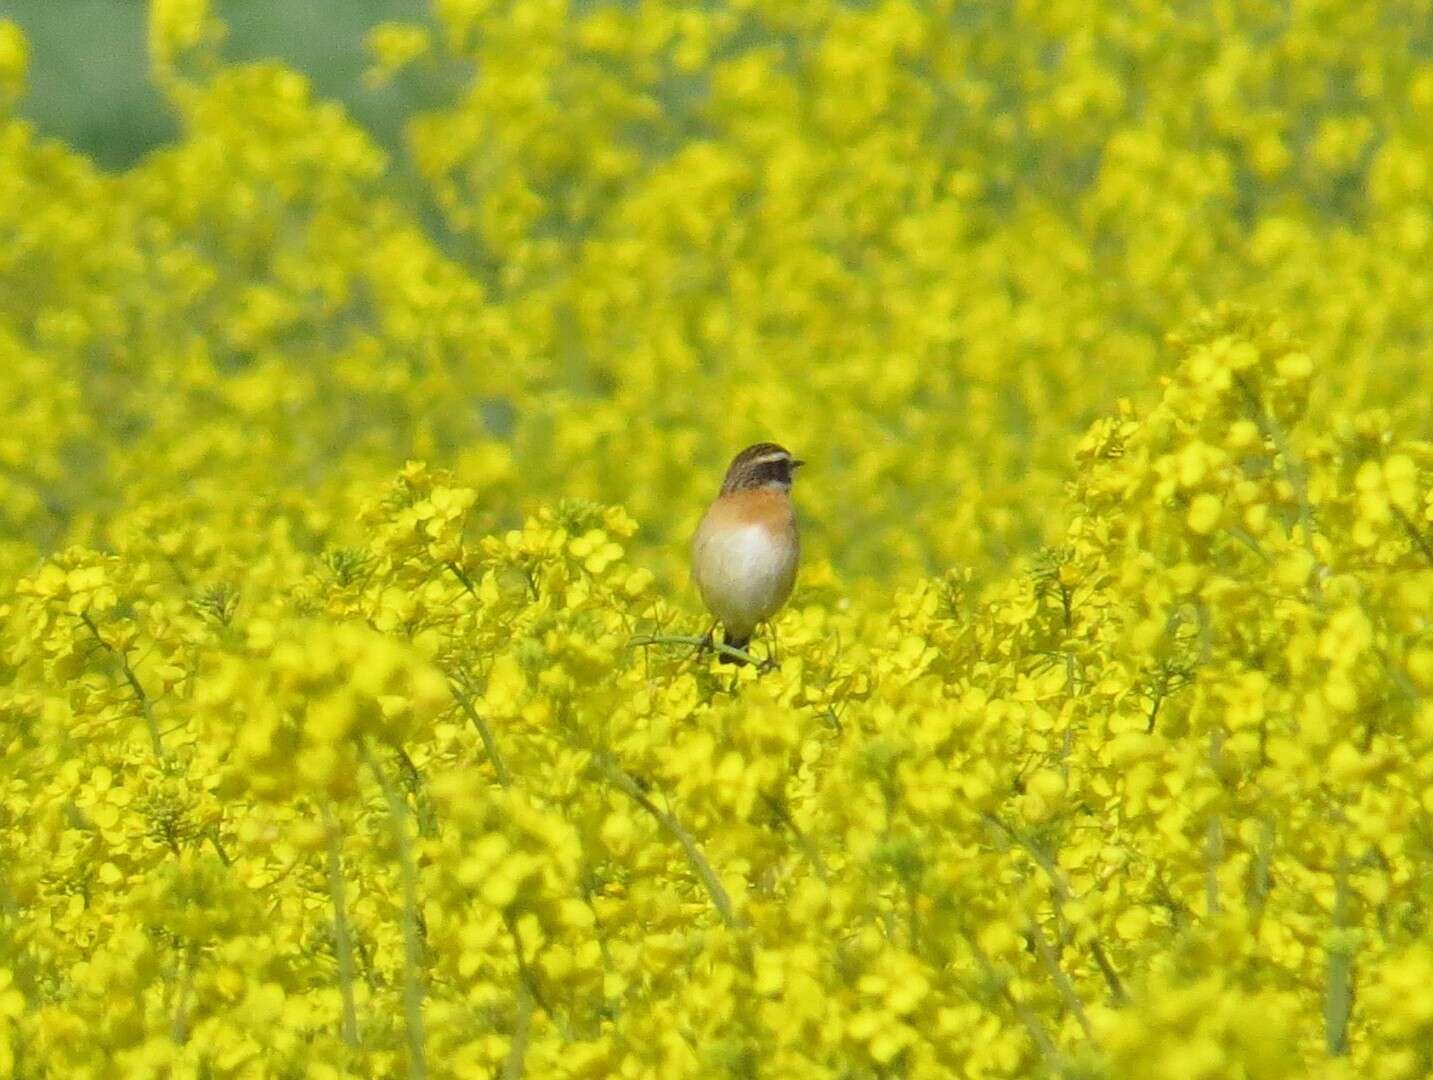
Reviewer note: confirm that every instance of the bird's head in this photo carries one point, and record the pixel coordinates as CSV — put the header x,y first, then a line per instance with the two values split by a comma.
x,y
761,465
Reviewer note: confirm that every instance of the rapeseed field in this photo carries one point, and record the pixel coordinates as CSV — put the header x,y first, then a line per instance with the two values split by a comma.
x,y
344,506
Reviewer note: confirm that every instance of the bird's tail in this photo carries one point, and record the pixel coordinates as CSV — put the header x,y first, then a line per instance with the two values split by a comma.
x,y
735,643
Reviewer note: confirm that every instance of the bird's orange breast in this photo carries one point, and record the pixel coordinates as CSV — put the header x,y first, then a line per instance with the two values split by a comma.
x,y
761,506
744,557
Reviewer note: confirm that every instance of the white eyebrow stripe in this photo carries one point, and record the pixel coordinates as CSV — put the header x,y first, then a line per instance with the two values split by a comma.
x,y
767,459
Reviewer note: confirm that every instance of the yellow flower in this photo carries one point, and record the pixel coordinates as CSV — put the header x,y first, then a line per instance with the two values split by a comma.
x,y
14,60
180,30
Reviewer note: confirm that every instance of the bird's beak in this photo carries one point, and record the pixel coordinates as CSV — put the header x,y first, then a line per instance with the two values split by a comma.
x,y
796,463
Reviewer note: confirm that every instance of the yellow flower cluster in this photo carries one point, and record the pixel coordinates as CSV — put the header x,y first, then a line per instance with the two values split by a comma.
x,y
347,727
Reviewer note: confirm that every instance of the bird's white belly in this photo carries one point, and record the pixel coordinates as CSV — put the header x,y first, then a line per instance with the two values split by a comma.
x,y
745,574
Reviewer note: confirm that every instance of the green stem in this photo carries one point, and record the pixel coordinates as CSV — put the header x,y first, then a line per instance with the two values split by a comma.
x,y
1338,999
145,706
628,786
463,578
1038,1035
1060,890
427,823
212,835
1415,534
525,972
808,849
490,746
1112,978
180,1027
1272,430
1214,843
1259,881
1062,980
517,1050
412,944
342,933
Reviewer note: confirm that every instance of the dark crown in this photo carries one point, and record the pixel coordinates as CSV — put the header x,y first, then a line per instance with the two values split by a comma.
x,y
759,465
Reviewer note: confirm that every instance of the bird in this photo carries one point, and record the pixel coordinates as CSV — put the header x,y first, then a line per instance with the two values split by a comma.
x,y
746,549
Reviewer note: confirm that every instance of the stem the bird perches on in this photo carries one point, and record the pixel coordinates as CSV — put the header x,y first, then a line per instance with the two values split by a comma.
x,y
644,640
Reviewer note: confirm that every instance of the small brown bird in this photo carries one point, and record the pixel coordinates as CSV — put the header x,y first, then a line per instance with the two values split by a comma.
x,y
745,552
